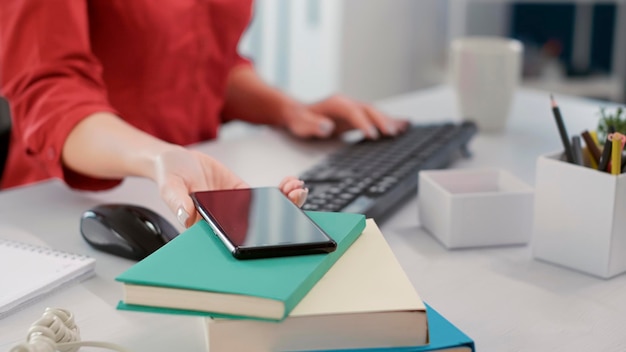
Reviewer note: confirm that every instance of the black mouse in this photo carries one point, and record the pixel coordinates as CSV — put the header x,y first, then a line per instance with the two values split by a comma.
x,y
126,230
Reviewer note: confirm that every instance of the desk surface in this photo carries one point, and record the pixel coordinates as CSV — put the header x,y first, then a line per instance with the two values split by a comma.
x,y
501,297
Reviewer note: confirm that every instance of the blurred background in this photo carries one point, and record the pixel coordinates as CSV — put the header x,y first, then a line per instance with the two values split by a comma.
x,y
372,49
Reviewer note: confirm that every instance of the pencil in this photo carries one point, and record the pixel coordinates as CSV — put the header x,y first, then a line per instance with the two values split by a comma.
x,y
577,150
592,147
618,140
569,156
616,157
606,156
594,136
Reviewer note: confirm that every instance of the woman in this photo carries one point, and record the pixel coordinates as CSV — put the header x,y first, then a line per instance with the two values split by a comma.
x,y
104,89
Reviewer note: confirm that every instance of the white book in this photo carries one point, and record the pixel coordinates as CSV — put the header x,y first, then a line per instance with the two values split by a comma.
x,y
364,301
29,272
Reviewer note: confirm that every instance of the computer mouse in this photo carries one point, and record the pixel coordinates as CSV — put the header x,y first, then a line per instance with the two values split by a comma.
x,y
127,230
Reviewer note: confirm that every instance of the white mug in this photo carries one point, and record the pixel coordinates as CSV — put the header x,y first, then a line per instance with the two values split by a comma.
x,y
485,71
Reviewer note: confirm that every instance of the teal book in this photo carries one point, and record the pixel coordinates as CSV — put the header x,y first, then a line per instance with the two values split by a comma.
x,y
196,274
444,337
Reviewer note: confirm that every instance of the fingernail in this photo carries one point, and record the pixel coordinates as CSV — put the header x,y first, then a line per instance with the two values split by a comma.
x,y
182,216
373,132
391,128
326,127
303,197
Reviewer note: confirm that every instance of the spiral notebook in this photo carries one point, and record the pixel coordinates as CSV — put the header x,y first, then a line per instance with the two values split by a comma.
x,y
28,272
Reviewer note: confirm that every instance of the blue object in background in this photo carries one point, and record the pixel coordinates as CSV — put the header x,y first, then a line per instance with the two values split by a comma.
x,y
537,24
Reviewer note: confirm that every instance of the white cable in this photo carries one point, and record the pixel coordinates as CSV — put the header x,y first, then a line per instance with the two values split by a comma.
x,y
56,331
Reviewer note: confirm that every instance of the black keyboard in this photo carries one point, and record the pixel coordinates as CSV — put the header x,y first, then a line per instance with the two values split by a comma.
x,y
372,177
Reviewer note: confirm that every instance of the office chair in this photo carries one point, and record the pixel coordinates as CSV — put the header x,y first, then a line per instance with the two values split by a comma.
x,y
5,132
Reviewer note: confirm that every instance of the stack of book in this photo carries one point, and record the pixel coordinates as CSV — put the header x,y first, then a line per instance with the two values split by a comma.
x,y
357,297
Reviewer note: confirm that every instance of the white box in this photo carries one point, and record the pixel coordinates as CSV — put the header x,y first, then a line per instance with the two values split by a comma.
x,y
472,208
580,217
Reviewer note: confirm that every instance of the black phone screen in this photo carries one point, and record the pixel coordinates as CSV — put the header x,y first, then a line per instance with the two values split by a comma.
x,y
261,222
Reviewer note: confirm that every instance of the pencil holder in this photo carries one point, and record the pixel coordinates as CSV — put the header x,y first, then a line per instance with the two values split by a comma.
x,y
579,217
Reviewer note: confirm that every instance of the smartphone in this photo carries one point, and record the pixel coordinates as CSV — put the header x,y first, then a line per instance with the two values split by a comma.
x,y
260,223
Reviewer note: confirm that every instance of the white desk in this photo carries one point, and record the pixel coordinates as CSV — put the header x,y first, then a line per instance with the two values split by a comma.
x,y
501,297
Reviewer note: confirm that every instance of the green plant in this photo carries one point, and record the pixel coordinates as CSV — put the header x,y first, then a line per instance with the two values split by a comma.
x,y
617,119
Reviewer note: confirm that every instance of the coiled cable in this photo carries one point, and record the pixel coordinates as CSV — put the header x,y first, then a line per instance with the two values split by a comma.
x,y
57,331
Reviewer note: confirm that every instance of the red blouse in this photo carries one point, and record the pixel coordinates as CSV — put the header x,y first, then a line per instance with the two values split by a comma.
x,y
160,65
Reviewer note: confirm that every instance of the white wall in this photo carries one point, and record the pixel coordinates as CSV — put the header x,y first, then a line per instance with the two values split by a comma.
x,y
368,49
392,46
295,45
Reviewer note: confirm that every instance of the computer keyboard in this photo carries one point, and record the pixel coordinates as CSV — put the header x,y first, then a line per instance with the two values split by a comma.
x,y
372,177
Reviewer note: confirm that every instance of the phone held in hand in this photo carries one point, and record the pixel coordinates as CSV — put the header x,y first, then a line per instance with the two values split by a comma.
x,y
260,223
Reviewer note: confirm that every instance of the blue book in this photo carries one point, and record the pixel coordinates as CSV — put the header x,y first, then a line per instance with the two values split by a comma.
x,y
444,336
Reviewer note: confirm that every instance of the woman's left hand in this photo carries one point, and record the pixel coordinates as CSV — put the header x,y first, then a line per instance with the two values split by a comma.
x,y
337,114
179,171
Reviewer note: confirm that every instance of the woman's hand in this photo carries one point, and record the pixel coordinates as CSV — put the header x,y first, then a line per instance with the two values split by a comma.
x,y
179,171
337,114
250,99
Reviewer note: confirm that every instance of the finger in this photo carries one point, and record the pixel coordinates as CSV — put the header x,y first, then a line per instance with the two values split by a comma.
x,y
291,185
402,124
176,195
309,124
298,196
348,110
286,180
387,125
324,127
194,218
